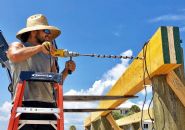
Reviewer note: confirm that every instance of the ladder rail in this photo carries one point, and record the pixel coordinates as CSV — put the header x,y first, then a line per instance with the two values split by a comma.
x,y
17,109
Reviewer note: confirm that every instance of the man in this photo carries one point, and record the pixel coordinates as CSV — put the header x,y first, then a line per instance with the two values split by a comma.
x,y
32,54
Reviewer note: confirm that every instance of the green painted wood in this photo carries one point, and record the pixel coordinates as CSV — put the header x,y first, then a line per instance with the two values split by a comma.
x,y
165,44
177,45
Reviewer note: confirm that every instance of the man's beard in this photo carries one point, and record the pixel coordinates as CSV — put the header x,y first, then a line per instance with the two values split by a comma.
x,y
39,39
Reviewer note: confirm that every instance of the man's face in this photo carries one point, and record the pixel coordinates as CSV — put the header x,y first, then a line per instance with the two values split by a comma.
x,y
42,36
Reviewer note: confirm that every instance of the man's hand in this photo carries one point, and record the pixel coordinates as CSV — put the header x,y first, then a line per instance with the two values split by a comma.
x,y
70,66
47,48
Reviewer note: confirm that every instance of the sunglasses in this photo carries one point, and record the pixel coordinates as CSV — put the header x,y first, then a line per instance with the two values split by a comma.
x,y
47,31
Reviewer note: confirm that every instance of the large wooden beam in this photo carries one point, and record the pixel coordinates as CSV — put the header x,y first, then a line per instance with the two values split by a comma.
x,y
87,121
134,118
162,56
168,103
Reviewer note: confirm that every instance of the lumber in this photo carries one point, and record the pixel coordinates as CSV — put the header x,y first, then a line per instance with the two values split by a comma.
x,y
177,86
134,118
161,58
113,122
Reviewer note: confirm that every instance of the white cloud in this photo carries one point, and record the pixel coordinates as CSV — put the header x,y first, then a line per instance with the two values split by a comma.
x,y
76,119
80,104
129,103
6,107
108,79
169,17
148,89
98,88
5,111
146,105
172,17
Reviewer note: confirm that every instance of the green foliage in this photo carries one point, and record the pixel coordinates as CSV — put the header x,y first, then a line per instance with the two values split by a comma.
x,y
116,115
72,127
135,108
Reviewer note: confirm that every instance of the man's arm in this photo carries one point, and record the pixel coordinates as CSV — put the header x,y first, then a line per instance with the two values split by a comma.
x,y
70,65
17,52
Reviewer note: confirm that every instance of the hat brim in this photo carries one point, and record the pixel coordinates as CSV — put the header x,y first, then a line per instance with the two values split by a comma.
x,y
55,32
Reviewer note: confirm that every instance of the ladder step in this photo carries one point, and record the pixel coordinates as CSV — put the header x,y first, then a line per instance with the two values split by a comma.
x,y
38,110
37,122
42,122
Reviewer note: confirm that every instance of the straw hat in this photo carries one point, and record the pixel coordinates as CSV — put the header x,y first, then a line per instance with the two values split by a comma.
x,y
38,22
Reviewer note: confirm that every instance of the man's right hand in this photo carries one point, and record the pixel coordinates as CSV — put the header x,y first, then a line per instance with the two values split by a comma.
x,y
47,47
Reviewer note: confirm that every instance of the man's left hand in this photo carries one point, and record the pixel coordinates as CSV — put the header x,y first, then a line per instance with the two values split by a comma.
x,y
70,66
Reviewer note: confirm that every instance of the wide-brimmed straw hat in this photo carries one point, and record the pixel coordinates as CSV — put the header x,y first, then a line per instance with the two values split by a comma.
x,y
38,22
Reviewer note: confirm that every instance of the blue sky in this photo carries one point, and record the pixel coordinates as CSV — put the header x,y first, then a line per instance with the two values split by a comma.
x,y
98,26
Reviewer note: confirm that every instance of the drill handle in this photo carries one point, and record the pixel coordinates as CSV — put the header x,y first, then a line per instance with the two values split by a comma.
x,y
70,71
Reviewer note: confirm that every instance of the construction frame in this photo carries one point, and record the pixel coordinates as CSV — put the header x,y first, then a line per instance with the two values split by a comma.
x,y
165,72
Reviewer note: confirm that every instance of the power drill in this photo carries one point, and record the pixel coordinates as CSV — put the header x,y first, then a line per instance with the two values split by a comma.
x,y
64,53
61,53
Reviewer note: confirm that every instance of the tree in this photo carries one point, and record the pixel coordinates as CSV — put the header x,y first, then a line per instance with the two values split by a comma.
x,y
135,108
72,127
116,115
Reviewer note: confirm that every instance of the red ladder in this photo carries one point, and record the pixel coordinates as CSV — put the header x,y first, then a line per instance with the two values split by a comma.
x,y
17,109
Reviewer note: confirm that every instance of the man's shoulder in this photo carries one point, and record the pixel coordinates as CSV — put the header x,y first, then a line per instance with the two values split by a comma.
x,y
16,44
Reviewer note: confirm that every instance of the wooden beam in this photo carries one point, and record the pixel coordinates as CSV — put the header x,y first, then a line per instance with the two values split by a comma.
x,y
87,121
177,86
101,124
161,58
134,118
112,122
169,112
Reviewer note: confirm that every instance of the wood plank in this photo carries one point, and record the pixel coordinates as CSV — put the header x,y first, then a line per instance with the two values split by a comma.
x,y
171,45
101,124
177,86
131,82
134,118
89,110
169,112
112,122
178,49
87,121
84,98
